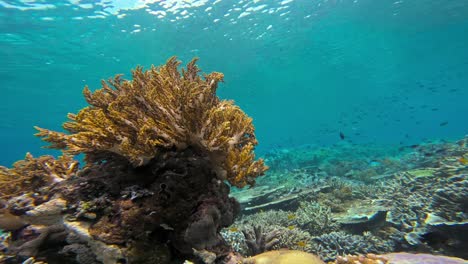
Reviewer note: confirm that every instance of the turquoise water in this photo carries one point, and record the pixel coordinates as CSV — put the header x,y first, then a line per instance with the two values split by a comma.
x,y
377,71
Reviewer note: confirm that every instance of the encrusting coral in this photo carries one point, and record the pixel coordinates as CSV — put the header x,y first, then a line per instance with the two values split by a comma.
x,y
162,108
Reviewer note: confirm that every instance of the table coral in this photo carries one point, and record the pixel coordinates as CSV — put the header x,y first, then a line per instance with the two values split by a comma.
x,y
162,108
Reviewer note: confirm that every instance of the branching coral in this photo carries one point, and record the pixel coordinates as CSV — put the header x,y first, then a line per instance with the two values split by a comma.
x,y
30,174
328,246
315,218
259,242
162,108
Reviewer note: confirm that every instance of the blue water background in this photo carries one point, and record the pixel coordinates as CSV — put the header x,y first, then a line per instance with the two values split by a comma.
x,y
377,71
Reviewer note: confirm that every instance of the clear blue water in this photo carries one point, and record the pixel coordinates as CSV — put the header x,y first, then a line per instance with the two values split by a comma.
x,y
378,71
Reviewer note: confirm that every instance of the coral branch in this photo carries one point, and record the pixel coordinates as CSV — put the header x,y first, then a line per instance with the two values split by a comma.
x,y
30,174
162,108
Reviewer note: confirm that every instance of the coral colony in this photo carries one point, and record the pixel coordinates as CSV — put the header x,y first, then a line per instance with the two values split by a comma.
x,y
161,154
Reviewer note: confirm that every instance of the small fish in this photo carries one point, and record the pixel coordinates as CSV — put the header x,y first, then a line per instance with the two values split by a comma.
x,y
443,123
342,136
463,160
301,244
233,229
291,227
291,216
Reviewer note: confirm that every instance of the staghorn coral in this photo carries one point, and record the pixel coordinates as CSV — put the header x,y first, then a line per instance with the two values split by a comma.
x,y
269,237
162,108
328,246
315,218
266,218
32,174
259,242
450,200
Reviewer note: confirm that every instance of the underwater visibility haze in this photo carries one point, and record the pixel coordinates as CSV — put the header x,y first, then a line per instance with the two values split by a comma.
x,y
293,131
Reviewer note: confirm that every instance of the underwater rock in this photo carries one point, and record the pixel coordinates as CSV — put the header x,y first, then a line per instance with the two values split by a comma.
x,y
31,239
448,237
188,205
78,234
365,223
256,195
48,213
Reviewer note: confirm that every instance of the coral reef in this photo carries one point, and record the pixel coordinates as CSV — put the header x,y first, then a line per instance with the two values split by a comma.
x,y
414,200
160,150
159,109
258,242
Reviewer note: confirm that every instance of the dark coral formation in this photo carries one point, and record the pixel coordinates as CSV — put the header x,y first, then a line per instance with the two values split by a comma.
x,y
175,197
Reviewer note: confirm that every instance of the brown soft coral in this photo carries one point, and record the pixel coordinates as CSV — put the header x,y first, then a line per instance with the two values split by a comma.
x,y
30,174
162,108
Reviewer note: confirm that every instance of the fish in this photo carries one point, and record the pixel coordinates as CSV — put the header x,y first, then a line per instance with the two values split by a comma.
x,y
301,243
443,123
233,229
342,136
463,160
291,216
291,227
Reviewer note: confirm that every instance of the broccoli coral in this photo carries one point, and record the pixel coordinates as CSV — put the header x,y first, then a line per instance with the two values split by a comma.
x,y
162,109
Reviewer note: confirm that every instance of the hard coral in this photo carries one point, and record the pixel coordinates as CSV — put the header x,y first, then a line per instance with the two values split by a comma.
x,y
31,174
162,108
